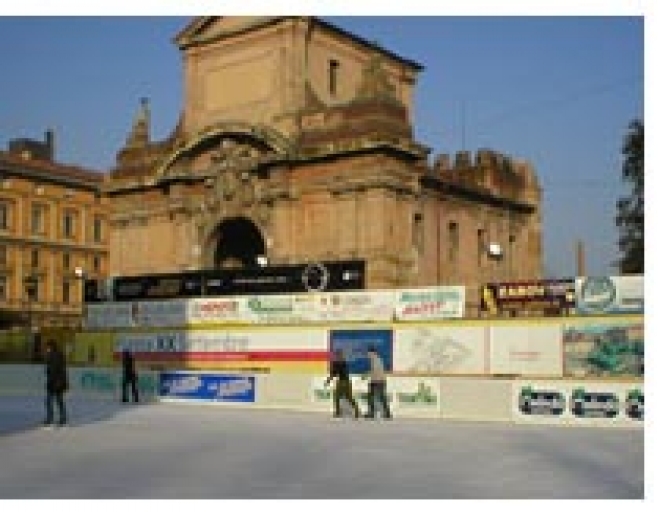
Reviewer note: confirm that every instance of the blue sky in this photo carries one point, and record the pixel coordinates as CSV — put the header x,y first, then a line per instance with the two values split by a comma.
x,y
556,91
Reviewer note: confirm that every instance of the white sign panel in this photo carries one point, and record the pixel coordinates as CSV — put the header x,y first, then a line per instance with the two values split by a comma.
x,y
431,303
215,310
605,295
443,350
579,402
238,340
159,313
354,306
111,315
526,350
278,309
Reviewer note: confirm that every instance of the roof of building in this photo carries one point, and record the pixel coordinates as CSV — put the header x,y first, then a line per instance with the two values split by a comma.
x,y
48,170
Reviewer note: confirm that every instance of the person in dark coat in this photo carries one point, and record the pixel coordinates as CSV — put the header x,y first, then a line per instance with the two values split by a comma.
x,y
129,376
57,383
343,388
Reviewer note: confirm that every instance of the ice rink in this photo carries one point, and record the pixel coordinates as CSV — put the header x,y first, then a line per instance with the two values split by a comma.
x,y
113,450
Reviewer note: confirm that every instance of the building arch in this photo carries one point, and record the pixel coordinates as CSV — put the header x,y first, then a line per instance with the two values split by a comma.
x,y
234,242
270,140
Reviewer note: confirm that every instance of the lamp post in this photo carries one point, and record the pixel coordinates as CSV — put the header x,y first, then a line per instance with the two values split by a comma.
x,y
79,272
31,283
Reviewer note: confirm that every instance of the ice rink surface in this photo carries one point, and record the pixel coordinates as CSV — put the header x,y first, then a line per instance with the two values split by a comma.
x,y
162,451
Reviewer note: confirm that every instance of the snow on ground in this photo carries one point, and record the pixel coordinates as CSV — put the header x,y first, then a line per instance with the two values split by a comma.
x,y
185,451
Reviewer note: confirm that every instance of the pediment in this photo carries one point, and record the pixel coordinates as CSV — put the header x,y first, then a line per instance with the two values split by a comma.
x,y
207,28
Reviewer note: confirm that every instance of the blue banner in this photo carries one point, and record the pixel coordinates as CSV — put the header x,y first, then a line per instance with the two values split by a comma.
x,y
205,386
354,344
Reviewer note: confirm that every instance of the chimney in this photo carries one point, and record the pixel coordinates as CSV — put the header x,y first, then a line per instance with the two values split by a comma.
x,y
50,144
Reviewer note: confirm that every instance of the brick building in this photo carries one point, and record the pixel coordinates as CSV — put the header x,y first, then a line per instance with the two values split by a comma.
x,y
53,232
295,144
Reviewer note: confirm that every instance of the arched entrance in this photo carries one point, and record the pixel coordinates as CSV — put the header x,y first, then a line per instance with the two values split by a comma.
x,y
238,243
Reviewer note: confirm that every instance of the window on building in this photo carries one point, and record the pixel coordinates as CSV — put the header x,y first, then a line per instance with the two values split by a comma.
x,y
481,245
38,225
452,246
66,292
98,234
66,261
31,284
333,76
96,264
34,258
3,287
3,255
5,212
418,232
69,224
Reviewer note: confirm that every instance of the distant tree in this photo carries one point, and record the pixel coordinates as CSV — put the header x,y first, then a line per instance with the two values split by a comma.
x,y
630,208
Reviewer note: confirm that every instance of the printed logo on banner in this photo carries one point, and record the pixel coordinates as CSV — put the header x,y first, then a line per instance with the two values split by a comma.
x,y
610,294
635,404
209,387
597,293
541,401
354,344
594,405
424,395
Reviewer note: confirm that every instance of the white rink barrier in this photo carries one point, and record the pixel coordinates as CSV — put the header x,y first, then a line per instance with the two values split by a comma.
x,y
92,381
530,401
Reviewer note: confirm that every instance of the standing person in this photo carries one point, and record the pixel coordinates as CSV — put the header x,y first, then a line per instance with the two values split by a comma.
x,y
377,384
57,383
129,376
343,388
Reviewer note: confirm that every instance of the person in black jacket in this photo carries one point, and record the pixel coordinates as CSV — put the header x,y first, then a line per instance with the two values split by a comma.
x,y
57,383
129,376
343,388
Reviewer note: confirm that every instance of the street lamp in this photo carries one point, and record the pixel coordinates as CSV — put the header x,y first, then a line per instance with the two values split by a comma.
x,y
31,283
79,272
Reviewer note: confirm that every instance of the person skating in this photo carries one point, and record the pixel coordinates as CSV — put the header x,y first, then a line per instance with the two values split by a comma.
x,y
129,377
377,385
57,383
343,387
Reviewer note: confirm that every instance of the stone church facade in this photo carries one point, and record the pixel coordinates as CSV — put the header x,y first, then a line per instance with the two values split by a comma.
x,y
296,144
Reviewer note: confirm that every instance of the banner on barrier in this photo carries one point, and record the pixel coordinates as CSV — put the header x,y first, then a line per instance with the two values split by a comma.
x,y
439,349
355,342
589,402
609,295
526,350
552,296
431,303
207,387
600,349
287,350
404,393
376,306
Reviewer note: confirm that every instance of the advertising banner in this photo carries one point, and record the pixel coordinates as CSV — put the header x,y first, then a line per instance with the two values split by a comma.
x,y
609,295
298,278
585,402
376,306
216,310
278,309
604,349
355,342
431,303
551,296
404,394
243,350
526,350
437,349
108,315
161,313
207,387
